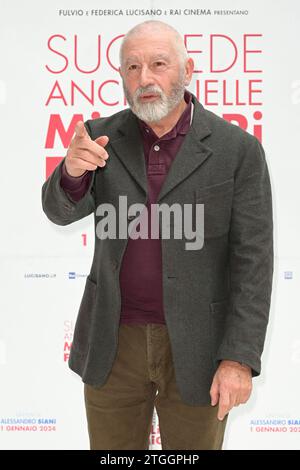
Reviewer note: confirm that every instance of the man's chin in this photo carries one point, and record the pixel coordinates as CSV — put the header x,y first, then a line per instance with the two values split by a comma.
x,y
147,112
149,117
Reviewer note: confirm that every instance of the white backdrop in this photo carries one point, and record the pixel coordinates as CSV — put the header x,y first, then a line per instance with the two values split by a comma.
x,y
43,266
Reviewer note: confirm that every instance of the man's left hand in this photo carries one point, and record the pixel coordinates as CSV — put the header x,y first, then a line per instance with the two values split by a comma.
x,y
231,386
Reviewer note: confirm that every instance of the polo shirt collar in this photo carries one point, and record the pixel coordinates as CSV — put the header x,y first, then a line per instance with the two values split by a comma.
x,y
181,127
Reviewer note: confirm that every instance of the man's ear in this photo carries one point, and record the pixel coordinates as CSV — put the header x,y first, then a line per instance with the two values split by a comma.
x,y
189,68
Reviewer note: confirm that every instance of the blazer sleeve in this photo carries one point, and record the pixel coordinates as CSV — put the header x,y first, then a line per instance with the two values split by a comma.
x,y
250,260
56,203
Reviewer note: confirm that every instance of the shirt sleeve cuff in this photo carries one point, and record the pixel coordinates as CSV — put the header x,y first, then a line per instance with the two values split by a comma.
x,y
75,186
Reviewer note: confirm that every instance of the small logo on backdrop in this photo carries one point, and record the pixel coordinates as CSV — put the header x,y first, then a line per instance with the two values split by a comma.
x,y
288,274
74,275
40,275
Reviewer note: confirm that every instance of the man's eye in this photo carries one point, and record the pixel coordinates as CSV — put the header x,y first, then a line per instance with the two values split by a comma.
x,y
159,63
132,67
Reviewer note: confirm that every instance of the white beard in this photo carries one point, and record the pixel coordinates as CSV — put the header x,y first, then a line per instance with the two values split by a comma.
x,y
157,110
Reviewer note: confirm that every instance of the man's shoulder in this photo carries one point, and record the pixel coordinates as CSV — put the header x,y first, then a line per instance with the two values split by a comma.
x,y
232,142
226,131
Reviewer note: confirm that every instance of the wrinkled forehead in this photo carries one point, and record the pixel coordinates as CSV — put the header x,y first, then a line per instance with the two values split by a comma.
x,y
147,46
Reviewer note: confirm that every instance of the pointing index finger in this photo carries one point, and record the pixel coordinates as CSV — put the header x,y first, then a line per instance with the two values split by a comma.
x,y
80,130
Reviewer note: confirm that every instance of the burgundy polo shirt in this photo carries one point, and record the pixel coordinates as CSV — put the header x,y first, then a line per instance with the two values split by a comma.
x,y
141,270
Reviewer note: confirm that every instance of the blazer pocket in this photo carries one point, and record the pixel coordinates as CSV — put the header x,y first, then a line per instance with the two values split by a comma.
x,y
217,317
217,200
84,318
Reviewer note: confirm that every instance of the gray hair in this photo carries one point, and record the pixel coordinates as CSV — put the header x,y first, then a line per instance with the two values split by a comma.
x,y
159,26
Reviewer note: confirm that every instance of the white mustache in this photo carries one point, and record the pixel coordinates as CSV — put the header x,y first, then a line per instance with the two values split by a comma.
x,y
143,91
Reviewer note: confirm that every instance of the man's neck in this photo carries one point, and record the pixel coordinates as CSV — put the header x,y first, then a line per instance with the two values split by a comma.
x,y
167,123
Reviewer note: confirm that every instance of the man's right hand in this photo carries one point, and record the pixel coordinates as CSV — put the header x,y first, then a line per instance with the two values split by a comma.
x,y
84,153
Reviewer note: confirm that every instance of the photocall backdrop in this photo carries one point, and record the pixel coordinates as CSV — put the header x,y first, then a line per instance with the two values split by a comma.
x,y
59,64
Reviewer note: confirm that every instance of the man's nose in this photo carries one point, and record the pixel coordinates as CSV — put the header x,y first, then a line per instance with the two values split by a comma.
x,y
146,77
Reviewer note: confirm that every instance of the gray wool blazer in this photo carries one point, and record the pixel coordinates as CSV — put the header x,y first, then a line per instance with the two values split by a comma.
x,y
216,298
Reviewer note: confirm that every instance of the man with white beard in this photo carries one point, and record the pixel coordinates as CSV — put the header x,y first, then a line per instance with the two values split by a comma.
x,y
155,317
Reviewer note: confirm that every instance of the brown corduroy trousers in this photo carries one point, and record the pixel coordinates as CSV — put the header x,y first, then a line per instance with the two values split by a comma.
x,y
119,413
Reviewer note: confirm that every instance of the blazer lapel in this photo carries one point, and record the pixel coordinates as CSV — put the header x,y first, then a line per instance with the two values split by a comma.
x,y
129,149
192,153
